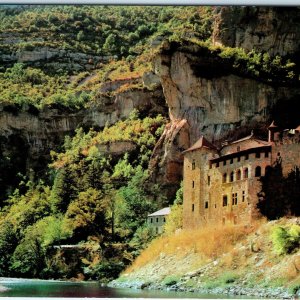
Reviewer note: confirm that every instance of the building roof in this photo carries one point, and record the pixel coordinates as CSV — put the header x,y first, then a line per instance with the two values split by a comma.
x,y
252,144
250,137
272,125
162,212
201,143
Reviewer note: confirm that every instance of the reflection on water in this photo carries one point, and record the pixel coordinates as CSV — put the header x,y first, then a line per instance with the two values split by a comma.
x,y
51,288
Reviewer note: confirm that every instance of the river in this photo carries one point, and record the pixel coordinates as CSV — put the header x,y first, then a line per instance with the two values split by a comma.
x,y
52,288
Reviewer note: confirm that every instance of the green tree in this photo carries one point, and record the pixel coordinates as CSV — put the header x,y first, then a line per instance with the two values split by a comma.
x,y
136,204
86,215
8,243
111,44
64,189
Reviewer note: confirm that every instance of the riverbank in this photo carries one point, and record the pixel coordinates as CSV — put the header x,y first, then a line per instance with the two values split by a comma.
x,y
248,265
232,290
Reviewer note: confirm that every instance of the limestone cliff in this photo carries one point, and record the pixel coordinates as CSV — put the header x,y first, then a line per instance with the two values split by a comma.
x,y
269,29
18,47
206,97
27,135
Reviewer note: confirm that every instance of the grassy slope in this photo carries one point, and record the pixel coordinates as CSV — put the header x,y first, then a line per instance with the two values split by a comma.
x,y
206,259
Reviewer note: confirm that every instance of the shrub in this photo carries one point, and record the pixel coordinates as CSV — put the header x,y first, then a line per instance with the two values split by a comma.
x,y
228,278
170,280
285,240
294,288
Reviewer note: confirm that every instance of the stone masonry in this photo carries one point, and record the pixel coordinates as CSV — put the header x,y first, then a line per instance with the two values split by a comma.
x,y
220,186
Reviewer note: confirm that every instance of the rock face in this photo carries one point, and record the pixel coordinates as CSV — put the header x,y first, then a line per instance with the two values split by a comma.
x,y
204,100
29,135
273,30
46,56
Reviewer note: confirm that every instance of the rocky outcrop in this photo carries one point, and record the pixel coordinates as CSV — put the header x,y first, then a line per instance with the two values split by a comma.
x,y
46,56
117,148
210,100
268,29
34,133
166,162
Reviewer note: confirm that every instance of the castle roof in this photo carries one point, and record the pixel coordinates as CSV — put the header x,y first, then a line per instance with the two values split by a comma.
x,y
272,125
254,143
162,212
248,144
201,143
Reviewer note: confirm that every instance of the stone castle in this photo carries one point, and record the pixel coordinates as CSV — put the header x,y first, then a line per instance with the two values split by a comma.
x,y
220,186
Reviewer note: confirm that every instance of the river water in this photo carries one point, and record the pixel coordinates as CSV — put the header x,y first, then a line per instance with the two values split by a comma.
x,y
52,288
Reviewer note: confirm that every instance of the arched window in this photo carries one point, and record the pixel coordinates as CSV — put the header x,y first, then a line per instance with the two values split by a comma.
x,y
238,174
231,176
246,173
224,178
258,171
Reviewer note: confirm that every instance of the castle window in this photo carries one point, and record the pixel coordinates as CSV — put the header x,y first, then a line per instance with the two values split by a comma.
x,y
234,199
164,220
193,165
258,171
206,204
238,174
231,160
156,220
224,163
224,178
193,207
225,200
151,220
266,154
246,156
231,176
208,180
246,173
243,196
193,184
257,155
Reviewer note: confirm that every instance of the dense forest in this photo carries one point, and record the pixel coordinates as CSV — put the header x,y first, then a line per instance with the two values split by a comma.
x,y
87,196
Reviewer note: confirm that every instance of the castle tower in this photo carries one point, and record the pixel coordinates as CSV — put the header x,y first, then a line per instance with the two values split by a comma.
x,y
195,182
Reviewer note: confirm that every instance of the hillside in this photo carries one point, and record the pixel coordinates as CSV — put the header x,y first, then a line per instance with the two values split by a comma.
x,y
229,260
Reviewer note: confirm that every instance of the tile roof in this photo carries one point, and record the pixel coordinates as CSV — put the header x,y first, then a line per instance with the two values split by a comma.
x,y
201,143
162,212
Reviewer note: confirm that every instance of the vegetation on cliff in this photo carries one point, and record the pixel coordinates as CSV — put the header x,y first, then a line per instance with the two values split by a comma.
x,y
99,30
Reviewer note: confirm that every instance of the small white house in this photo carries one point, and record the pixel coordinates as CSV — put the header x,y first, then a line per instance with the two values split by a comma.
x,y
157,219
